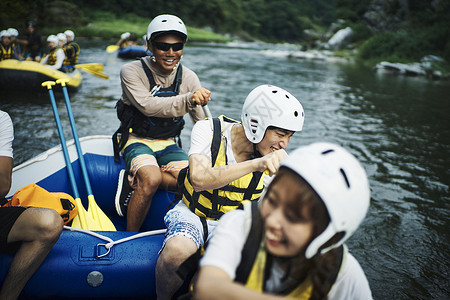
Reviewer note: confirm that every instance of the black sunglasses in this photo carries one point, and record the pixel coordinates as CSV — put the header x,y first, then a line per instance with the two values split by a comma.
x,y
166,46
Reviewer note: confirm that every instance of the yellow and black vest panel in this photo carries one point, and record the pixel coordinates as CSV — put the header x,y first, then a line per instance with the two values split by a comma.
x,y
52,57
212,204
72,50
6,53
256,278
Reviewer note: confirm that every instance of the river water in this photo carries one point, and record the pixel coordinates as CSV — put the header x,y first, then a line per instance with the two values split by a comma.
x,y
397,127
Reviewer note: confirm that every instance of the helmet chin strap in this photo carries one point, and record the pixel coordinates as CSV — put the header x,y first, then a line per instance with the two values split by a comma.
x,y
256,153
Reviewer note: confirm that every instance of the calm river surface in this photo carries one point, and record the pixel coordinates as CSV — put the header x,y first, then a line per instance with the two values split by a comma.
x,y
398,127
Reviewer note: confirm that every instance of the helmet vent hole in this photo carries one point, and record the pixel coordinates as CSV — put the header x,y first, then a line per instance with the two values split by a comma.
x,y
274,91
327,151
296,113
287,96
163,21
345,177
253,125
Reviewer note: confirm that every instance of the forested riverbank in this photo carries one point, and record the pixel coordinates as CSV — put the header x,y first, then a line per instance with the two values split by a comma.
x,y
398,31
392,30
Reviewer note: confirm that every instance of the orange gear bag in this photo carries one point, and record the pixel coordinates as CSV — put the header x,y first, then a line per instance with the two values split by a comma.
x,y
33,195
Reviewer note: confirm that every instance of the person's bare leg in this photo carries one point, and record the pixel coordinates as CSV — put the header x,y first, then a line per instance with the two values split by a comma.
x,y
148,180
175,252
168,181
39,229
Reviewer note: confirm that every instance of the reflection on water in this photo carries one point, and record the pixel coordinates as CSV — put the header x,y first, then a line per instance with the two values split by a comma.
x,y
398,128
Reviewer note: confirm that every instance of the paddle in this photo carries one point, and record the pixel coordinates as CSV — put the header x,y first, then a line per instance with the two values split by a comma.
x,y
94,210
94,70
82,220
206,111
112,48
91,66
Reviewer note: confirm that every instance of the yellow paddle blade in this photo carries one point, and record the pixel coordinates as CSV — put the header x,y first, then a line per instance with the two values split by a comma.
x,y
99,216
83,220
76,222
91,66
112,48
95,73
99,74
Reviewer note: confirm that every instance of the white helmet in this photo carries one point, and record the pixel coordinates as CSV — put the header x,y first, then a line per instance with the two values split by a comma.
x,y
125,35
53,38
70,34
13,32
164,24
5,33
268,105
340,181
62,37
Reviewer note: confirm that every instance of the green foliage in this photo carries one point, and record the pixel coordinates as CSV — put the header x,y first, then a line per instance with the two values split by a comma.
x,y
112,30
14,13
404,46
351,10
425,26
100,15
383,45
360,31
281,20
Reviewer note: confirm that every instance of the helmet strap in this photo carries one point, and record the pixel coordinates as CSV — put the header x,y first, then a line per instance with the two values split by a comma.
x,y
256,153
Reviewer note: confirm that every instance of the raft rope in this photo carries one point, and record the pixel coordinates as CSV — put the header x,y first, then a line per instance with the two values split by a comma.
x,y
111,243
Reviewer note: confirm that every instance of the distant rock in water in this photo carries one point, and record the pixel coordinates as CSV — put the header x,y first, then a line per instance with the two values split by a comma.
x,y
426,67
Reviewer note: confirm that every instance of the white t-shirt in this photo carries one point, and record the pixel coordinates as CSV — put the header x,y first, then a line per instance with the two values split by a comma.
x,y
6,135
225,247
202,135
59,59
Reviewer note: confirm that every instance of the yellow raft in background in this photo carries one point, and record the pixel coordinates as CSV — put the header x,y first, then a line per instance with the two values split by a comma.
x,y
28,76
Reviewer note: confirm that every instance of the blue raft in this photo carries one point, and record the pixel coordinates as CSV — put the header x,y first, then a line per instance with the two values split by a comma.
x,y
80,265
133,52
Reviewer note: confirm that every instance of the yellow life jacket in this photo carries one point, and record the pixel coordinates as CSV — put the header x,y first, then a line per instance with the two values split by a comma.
x,y
212,204
72,51
52,57
256,279
252,269
16,48
6,53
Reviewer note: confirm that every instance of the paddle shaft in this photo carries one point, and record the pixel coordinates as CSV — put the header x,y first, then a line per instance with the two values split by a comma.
x,y
95,211
77,141
206,111
63,144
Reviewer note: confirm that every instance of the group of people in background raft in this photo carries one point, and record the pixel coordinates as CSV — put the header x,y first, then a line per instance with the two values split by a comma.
x,y
62,53
270,224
